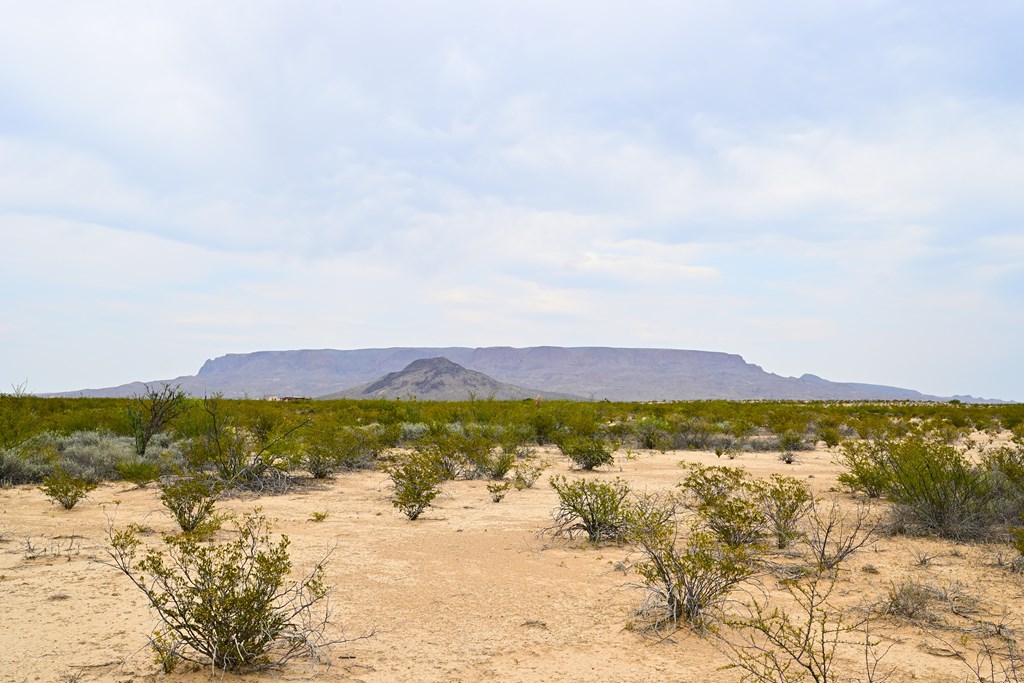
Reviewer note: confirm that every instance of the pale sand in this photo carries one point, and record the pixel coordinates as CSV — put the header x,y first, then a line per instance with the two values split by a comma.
x,y
471,591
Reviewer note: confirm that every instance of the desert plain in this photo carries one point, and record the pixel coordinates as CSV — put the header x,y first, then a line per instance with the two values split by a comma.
x,y
473,590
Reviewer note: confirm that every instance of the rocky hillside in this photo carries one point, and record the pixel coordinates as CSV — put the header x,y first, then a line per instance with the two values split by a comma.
x,y
439,379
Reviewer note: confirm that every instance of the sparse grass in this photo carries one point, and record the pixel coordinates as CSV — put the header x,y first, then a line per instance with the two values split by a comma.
x,y
909,599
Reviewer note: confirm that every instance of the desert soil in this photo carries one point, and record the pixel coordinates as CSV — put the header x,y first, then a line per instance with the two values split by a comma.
x,y
471,591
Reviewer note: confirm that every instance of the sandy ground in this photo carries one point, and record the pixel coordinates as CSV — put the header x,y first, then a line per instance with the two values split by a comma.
x,y
472,591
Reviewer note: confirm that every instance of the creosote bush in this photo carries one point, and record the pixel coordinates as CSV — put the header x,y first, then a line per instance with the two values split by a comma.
x,y
935,487
139,472
498,490
785,501
596,508
686,576
228,605
249,452
416,480
329,447
526,472
726,503
65,489
191,499
586,452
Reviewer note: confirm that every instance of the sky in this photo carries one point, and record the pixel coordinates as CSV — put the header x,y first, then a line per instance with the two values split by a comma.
x,y
828,188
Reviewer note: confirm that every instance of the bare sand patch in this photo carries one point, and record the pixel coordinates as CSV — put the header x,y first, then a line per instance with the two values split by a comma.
x,y
471,591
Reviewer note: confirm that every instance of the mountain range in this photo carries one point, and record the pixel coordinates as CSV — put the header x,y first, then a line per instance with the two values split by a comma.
x,y
617,374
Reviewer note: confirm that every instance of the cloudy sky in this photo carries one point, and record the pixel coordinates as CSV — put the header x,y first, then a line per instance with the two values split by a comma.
x,y
834,188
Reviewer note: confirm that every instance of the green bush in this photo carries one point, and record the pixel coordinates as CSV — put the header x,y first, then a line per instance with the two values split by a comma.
x,y
416,481
868,467
685,579
937,489
526,472
191,499
139,472
498,489
496,464
586,452
328,447
596,508
65,489
785,501
726,503
652,433
830,436
228,605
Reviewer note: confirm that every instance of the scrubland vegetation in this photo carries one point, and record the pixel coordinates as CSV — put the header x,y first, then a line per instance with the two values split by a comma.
x,y
751,563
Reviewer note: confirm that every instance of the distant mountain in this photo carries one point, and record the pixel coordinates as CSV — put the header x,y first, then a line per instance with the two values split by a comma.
x,y
439,379
594,372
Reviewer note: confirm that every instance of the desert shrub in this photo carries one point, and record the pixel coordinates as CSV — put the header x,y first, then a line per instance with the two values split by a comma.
x,y
416,481
479,447
834,534
65,489
496,464
139,472
19,467
328,447
191,499
685,579
544,426
784,501
691,433
909,599
938,490
652,433
153,412
868,468
515,440
411,432
596,508
586,452
251,452
772,645
443,450
726,503
498,490
526,472
1005,468
763,443
228,605
89,455
831,436
793,441
704,485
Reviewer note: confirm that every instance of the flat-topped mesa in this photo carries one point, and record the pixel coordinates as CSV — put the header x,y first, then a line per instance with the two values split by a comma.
x,y
597,372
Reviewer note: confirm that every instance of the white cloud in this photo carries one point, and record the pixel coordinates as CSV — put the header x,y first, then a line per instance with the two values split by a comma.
x,y
805,185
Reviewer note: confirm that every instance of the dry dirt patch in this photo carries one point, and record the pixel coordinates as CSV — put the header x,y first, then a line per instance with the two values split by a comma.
x,y
471,591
